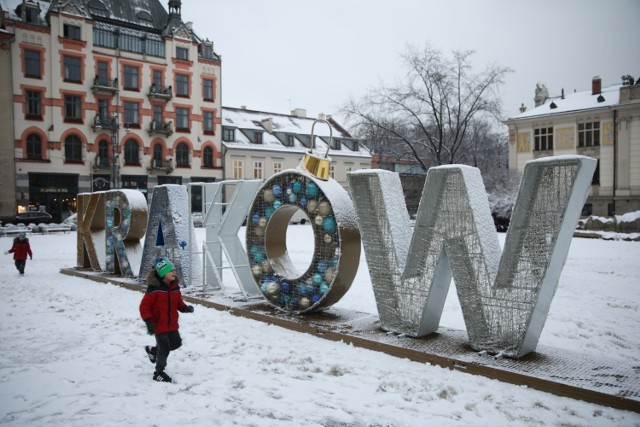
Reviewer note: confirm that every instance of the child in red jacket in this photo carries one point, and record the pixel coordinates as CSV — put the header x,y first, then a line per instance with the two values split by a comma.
x,y
20,250
159,310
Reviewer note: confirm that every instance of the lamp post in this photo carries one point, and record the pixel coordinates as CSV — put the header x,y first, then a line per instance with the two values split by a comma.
x,y
115,145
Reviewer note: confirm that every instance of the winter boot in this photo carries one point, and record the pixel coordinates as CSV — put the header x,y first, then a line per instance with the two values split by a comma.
x,y
151,352
161,377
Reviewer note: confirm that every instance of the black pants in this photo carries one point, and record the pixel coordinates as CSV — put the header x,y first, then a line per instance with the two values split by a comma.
x,y
20,264
165,343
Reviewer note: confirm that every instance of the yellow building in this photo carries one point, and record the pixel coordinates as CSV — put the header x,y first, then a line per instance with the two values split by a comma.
x,y
603,123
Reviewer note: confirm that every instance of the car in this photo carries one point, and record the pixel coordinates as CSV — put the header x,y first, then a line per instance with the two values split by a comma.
x,y
34,217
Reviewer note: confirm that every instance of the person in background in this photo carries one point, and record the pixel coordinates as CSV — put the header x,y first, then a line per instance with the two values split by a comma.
x,y
20,250
159,309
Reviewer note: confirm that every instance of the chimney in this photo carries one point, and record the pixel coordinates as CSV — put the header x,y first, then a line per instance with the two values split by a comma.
x,y
299,112
243,107
267,124
596,86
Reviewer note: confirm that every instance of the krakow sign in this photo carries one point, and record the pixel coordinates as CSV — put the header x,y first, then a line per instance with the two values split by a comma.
x,y
505,295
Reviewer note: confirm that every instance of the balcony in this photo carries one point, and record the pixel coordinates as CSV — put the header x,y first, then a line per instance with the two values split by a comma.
x,y
162,94
104,123
160,128
102,163
161,165
104,87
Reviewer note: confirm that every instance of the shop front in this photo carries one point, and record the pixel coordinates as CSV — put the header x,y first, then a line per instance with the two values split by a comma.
x,y
55,193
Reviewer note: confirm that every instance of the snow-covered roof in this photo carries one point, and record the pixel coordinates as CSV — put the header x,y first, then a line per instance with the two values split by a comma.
x,y
576,101
10,7
247,121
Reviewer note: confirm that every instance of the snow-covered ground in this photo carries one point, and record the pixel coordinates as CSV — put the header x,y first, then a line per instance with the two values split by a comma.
x,y
72,354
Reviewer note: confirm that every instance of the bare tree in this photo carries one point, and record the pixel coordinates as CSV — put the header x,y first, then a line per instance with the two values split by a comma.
x,y
430,113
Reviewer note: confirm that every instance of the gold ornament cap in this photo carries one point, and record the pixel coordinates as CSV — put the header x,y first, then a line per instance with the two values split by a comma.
x,y
317,166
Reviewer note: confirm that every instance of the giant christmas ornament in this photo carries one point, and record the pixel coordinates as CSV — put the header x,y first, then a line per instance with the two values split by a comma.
x,y
336,238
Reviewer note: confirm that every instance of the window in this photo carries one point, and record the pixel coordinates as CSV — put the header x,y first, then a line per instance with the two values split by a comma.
x,y
589,134
103,74
257,138
228,135
157,80
32,64
34,147
131,154
72,69
72,108
182,85
132,113
103,154
332,171
71,32
131,78
206,50
543,139
182,155
157,153
182,53
73,149
207,89
207,118
257,169
182,119
238,169
207,157
30,14
34,105
277,167
290,140
103,111
157,117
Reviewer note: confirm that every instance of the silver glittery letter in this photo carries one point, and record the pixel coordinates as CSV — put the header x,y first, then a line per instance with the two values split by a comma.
x,y
504,297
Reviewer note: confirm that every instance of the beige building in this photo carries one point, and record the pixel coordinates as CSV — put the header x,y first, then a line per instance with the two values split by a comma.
x,y
104,94
603,123
258,144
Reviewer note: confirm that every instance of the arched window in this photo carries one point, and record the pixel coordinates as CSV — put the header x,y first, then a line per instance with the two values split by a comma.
x,y
103,154
73,149
34,147
158,161
182,154
207,157
131,153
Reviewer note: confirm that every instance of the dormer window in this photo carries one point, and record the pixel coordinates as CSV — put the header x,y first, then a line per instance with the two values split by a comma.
x,y
206,50
257,138
29,12
71,32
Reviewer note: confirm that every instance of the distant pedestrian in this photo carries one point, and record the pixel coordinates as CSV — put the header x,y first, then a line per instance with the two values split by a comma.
x,y
159,310
20,250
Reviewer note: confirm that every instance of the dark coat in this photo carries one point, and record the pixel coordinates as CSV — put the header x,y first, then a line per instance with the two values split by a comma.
x,y
161,303
21,249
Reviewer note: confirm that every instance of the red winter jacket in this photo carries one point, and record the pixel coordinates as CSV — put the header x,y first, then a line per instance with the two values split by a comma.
x,y
20,249
161,303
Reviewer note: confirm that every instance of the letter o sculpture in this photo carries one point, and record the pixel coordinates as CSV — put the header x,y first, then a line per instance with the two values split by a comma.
x,y
336,234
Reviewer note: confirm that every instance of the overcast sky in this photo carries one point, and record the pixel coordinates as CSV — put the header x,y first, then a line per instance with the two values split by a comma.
x,y
281,54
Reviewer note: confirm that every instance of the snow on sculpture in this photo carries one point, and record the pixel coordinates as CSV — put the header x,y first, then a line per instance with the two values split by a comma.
x,y
336,253
170,233
504,298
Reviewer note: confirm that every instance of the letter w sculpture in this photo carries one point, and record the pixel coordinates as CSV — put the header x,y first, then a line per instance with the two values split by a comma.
x,y
504,297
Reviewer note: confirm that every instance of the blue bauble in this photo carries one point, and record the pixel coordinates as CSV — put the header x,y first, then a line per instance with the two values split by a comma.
x,y
292,198
269,211
254,250
317,278
285,287
264,287
315,298
324,288
295,303
255,218
329,224
285,300
258,258
322,266
309,290
302,202
312,189
297,186
277,190
277,204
